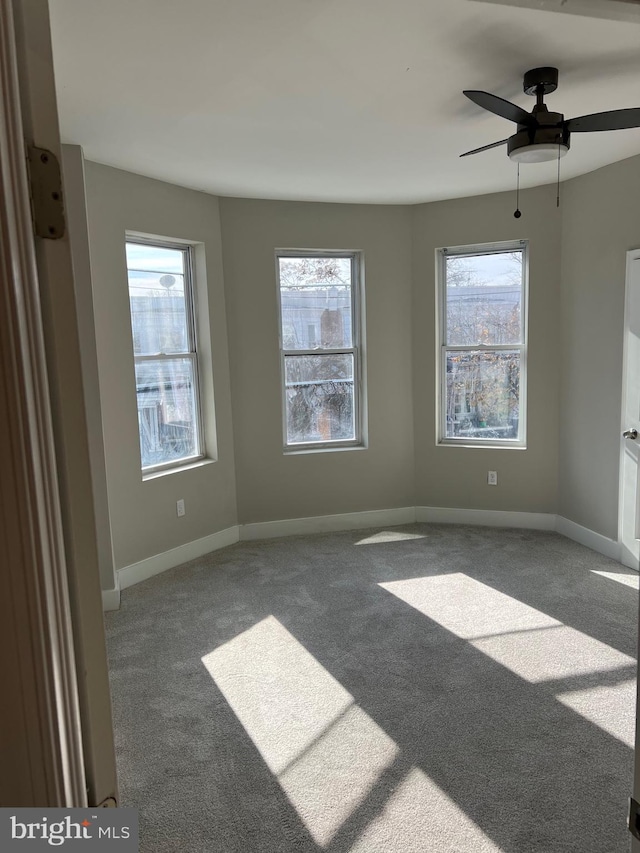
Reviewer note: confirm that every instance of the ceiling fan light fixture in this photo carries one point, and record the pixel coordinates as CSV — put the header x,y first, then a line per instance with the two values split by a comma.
x,y
539,152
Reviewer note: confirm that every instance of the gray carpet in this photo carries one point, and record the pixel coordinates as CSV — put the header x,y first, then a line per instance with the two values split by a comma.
x,y
429,688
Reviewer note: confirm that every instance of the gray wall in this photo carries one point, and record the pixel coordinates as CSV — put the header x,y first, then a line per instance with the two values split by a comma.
x,y
576,294
455,476
601,222
272,485
143,513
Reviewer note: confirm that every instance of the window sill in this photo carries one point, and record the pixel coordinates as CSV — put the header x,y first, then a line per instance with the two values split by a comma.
x,y
481,445
189,466
303,451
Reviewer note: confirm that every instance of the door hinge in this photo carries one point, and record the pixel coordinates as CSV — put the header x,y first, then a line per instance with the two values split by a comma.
x,y
45,187
634,818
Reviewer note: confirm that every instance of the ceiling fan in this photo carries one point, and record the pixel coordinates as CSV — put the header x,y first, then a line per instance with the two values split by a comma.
x,y
543,135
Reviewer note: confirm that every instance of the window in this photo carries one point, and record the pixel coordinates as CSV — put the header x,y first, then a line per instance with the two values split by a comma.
x,y
320,348
482,294
161,297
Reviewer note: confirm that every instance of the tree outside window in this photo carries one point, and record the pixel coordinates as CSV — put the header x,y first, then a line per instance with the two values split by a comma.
x,y
482,294
319,345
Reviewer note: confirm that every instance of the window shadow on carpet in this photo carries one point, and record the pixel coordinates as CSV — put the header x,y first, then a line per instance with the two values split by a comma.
x,y
455,689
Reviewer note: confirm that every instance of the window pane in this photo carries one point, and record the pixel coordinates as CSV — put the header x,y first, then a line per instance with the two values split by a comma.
x,y
319,398
155,258
315,299
167,417
484,294
158,313
482,395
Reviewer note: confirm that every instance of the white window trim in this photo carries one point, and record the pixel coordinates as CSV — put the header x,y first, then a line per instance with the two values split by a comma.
x,y
150,471
357,326
441,346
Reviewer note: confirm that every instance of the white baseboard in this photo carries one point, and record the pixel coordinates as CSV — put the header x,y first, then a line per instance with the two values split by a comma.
x,y
111,599
528,520
138,572
585,536
327,523
486,517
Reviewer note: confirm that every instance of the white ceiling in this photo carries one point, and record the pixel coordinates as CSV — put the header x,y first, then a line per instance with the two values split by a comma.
x,y
331,100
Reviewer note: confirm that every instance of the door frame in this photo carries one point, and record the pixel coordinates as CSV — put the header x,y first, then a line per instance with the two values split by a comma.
x,y
37,591
57,735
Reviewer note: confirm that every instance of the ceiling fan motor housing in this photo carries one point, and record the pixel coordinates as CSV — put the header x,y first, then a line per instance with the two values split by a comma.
x,y
531,143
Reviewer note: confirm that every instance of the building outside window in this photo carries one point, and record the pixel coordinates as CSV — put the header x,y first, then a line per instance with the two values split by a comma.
x,y
161,298
482,293
320,344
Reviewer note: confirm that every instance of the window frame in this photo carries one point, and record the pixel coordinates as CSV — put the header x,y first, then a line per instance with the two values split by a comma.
x,y
442,440
191,354
357,323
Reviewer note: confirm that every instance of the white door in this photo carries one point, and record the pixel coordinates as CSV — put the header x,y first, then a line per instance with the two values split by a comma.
x,y
629,533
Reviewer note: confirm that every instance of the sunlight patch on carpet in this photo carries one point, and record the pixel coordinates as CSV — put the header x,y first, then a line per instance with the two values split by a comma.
x,y
326,752
552,654
609,707
467,607
433,816
632,580
526,641
390,536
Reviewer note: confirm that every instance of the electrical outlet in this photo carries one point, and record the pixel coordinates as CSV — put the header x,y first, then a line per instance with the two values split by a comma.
x,y
492,478
180,508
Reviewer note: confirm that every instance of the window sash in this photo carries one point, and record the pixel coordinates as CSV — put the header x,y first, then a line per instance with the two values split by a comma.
x,y
189,293
355,382
354,350
480,440
191,353
444,347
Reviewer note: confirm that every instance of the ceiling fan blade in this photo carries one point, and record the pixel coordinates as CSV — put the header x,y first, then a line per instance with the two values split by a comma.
x,y
611,120
485,147
500,107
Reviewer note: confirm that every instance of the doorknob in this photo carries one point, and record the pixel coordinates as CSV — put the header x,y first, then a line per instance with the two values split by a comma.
x,y
630,433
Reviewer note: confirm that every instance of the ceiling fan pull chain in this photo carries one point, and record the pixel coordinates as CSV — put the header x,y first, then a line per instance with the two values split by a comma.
x,y
517,214
558,183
